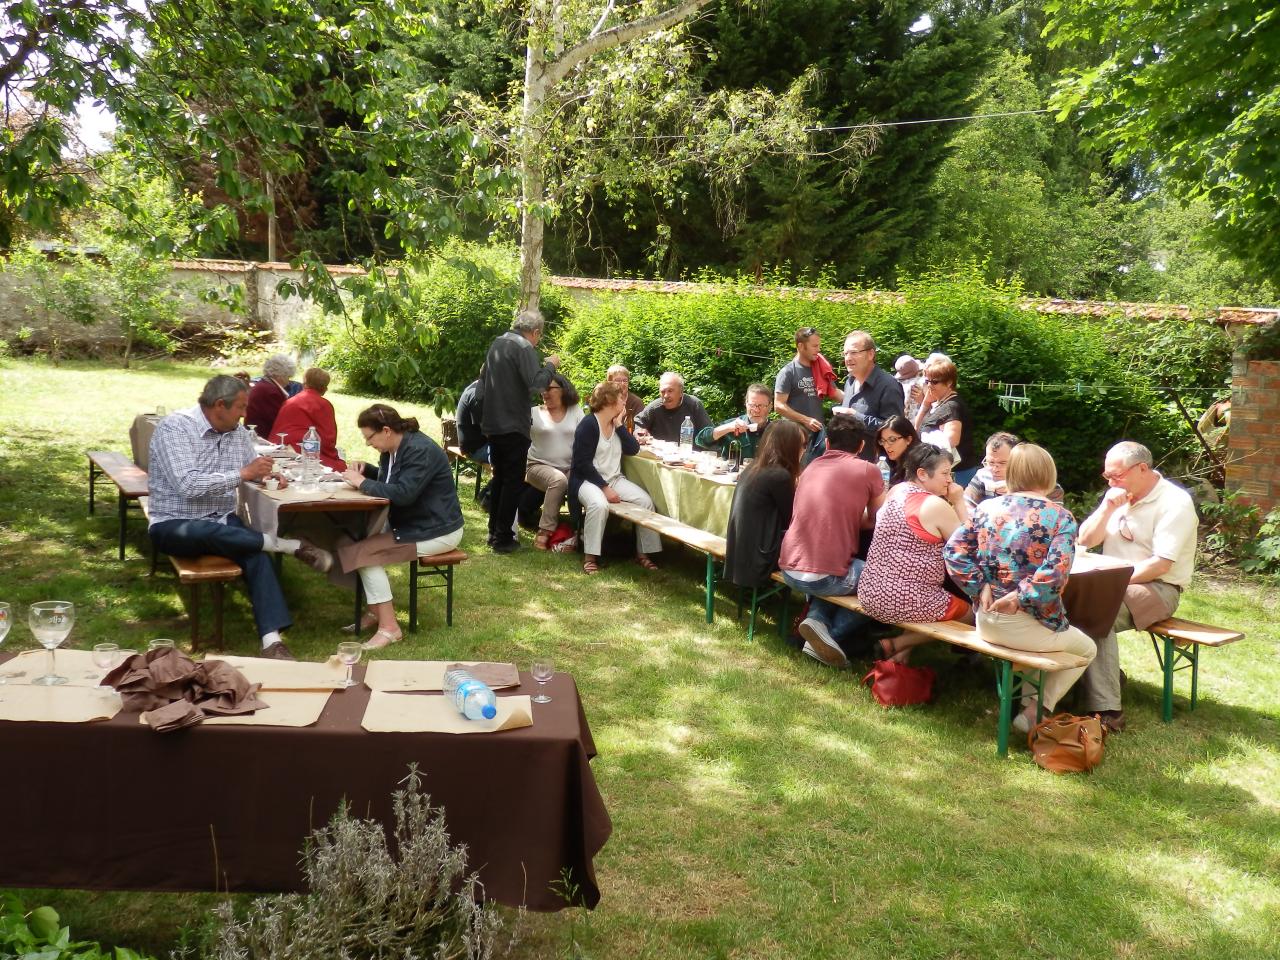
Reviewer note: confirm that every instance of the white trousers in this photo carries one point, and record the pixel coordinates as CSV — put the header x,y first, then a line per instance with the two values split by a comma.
x,y
595,509
1021,631
377,588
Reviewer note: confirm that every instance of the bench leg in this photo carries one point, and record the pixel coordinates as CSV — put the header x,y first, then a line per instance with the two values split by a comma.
x,y
195,615
93,475
1004,686
448,596
124,513
457,473
217,614
1169,654
413,596
711,587
785,619
1194,653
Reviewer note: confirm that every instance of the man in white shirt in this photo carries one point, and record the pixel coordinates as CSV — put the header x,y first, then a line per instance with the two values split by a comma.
x,y
1151,523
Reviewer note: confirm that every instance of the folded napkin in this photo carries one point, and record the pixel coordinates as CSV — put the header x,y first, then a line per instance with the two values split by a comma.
x,y
496,675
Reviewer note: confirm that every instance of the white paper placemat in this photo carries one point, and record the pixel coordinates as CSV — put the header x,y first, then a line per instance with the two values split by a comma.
x,y
75,665
288,674
60,704
404,675
416,713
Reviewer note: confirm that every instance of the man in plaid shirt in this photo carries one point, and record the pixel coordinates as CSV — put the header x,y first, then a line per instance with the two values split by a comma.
x,y
198,459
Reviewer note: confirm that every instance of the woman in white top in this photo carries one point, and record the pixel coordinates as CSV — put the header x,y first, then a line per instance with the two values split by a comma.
x,y
595,475
551,451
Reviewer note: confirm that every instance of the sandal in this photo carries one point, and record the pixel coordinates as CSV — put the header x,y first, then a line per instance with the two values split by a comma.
x,y
367,622
590,566
382,638
645,562
542,541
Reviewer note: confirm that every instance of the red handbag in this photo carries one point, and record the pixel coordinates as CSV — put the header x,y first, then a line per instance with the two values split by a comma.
x,y
896,684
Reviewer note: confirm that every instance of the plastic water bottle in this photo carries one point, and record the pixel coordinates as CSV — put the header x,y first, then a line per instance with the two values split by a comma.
x,y
686,433
883,464
311,456
472,697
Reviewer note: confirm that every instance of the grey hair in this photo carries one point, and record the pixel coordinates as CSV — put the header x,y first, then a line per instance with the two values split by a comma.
x,y
674,376
224,388
528,321
1131,452
279,365
617,368
862,337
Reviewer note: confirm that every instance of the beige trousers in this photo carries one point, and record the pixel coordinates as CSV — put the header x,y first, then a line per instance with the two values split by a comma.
x,y
1021,631
554,483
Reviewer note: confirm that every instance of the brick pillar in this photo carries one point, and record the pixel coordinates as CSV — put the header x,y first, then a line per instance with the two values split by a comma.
x,y
1253,467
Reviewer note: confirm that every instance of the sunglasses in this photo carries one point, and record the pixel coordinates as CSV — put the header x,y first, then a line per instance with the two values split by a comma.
x,y
927,380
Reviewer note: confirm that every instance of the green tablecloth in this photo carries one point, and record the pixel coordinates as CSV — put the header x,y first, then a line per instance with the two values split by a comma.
x,y
682,494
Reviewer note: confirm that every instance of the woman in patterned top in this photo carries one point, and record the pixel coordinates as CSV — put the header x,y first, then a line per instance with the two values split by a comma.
x,y
1013,558
903,580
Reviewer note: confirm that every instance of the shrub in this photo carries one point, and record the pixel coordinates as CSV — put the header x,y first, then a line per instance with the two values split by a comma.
x,y
367,899
39,933
722,341
435,330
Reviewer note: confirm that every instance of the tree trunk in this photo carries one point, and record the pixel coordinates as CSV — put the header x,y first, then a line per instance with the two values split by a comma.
x,y
532,179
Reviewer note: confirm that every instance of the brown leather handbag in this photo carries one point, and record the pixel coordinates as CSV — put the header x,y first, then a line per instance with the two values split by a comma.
x,y
1067,744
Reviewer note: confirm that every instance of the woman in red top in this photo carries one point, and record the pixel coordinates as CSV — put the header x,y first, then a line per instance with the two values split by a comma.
x,y
902,581
310,409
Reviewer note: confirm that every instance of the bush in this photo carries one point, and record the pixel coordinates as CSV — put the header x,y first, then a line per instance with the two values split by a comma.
x,y
436,329
722,341
39,933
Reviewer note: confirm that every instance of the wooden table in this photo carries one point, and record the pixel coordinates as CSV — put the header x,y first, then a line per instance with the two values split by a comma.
x,y
228,808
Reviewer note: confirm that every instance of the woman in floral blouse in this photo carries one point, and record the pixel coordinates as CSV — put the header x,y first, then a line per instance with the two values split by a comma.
x,y
1013,557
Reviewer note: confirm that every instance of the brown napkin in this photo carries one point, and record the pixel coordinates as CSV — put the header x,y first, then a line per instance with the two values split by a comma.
x,y
177,692
496,675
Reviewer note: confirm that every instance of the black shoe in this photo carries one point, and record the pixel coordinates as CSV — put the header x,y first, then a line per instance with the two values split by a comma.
x,y
506,546
314,557
1112,720
278,651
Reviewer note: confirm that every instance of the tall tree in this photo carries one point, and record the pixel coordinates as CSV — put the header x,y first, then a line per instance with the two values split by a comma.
x,y
1188,92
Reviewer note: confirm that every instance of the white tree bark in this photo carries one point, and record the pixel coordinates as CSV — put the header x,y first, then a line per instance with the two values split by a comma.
x,y
540,79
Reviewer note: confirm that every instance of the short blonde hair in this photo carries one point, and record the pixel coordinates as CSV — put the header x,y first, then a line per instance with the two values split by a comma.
x,y
316,379
604,394
943,370
1031,467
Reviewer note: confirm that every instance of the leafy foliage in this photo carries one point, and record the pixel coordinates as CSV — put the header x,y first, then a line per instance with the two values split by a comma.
x,y
38,934
1240,534
1162,101
720,342
431,340
410,899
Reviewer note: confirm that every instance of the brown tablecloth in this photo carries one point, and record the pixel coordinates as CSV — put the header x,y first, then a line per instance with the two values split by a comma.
x,y
228,808
1093,596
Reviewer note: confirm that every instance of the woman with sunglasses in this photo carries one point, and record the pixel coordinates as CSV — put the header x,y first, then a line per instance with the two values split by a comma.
x,y
425,517
551,451
1012,558
895,438
943,410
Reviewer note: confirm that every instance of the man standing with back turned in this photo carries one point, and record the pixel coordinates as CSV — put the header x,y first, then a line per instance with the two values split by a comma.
x,y
511,376
198,459
1151,523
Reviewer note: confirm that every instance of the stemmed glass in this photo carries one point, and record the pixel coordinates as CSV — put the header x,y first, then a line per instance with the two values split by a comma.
x,y
283,437
5,620
349,654
104,658
51,621
543,670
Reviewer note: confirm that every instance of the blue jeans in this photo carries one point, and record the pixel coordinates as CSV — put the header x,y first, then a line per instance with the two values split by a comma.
x,y
235,541
840,622
817,447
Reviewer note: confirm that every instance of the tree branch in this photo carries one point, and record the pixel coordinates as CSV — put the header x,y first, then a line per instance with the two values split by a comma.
x,y
616,36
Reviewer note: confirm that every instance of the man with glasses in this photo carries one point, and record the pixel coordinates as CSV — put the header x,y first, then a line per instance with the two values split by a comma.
x,y
796,394
989,481
747,430
868,391
1151,523
906,370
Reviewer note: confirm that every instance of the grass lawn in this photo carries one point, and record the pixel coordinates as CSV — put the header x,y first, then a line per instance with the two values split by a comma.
x,y
763,805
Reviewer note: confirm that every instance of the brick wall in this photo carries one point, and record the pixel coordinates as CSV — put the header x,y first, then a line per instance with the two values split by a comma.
x,y
1254,442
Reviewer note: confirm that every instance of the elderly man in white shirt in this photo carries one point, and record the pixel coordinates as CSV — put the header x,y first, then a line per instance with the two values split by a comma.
x,y
1151,523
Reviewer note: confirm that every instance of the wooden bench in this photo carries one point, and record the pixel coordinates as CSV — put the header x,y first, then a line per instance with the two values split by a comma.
x,y
438,566
129,478
460,461
196,572
712,546
1014,668
1179,641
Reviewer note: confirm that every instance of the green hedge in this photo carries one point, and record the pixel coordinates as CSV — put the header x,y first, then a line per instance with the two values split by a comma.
x,y
724,340
436,336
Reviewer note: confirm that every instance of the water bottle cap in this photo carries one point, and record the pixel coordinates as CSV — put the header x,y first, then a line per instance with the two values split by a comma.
x,y
489,711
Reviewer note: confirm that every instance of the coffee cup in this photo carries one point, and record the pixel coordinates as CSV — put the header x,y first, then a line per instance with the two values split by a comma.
x,y
272,483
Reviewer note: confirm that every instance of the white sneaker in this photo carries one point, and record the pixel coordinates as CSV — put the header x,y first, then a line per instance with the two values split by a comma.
x,y
1021,723
820,646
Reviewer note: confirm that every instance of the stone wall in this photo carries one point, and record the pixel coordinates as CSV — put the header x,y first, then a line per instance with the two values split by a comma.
x,y
1253,467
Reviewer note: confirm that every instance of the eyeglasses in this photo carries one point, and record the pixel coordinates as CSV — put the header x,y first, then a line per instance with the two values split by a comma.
x,y
1117,477
804,333
759,405
885,440
928,380
992,464
1124,526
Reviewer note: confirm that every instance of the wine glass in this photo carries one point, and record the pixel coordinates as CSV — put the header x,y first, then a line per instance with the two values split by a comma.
x,y
349,654
543,670
283,437
104,658
253,430
5,620
50,622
